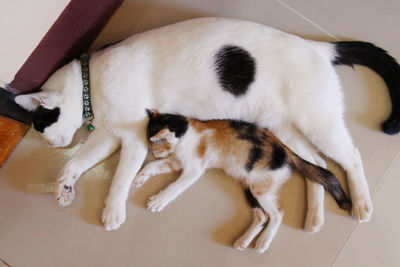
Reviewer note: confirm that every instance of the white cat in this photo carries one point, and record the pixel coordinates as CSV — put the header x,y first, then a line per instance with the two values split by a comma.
x,y
211,68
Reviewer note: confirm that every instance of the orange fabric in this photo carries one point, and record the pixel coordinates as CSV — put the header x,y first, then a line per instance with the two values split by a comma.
x,y
11,132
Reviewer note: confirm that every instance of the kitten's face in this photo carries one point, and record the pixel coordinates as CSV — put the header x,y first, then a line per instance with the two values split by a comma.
x,y
164,132
162,147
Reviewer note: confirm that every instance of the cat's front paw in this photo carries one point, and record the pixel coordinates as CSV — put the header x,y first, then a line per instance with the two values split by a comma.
x,y
113,216
140,179
157,203
64,193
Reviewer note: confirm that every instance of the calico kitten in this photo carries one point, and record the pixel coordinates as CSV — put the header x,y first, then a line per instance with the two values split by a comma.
x,y
248,153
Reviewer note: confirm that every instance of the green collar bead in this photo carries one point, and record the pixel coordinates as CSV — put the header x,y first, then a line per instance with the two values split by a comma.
x,y
87,109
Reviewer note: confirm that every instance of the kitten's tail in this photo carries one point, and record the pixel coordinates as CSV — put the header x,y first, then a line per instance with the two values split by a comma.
x,y
321,176
377,59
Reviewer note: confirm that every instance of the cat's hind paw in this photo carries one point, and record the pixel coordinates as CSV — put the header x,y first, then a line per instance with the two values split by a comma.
x,y
362,209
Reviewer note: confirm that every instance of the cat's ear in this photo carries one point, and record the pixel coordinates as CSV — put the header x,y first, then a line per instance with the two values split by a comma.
x,y
164,134
152,113
46,99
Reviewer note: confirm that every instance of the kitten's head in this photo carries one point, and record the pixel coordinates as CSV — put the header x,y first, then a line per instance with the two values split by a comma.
x,y
56,113
164,132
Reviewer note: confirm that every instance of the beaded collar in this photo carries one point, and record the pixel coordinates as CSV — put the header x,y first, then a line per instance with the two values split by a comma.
x,y
87,109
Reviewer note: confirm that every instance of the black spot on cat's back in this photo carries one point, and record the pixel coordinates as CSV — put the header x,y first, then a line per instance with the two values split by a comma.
x,y
43,118
235,68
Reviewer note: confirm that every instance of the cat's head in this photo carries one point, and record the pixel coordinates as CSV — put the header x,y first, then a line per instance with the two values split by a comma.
x,y
164,132
57,109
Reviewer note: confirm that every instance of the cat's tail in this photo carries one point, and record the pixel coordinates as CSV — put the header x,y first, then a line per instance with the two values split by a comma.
x,y
321,176
377,59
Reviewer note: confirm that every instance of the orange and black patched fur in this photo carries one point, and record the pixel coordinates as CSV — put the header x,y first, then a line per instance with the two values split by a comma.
x,y
248,153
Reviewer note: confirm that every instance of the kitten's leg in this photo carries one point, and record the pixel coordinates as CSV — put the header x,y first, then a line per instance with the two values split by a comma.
x,y
257,225
133,153
160,166
296,141
187,178
99,145
266,194
269,204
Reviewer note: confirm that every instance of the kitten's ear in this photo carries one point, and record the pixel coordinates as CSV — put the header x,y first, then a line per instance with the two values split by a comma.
x,y
152,112
47,99
164,134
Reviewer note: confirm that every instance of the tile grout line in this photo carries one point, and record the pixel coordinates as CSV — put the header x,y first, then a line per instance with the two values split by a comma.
x,y
372,197
343,244
385,175
307,19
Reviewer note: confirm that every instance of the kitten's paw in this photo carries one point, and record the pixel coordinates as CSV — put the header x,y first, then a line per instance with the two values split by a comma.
x,y
64,193
362,209
140,179
261,245
113,216
241,244
157,203
314,222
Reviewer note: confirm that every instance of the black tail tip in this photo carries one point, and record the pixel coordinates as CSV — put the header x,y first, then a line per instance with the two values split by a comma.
x,y
391,126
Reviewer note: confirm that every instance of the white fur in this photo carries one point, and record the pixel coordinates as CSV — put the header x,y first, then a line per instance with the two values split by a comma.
x,y
257,225
171,69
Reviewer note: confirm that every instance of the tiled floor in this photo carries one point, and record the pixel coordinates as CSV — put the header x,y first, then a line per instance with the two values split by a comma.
x,y
198,228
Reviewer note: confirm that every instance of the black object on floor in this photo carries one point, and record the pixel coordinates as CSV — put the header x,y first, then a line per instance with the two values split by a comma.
x,y
10,109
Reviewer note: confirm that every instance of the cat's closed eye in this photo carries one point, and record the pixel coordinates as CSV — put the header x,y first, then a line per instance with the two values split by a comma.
x,y
159,141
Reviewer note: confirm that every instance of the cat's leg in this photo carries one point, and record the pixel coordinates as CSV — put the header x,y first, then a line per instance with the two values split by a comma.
x,y
257,225
187,178
315,198
99,145
133,153
170,164
296,141
319,116
333,139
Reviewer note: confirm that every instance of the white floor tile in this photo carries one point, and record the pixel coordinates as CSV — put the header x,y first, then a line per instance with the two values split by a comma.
x,y
377,243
